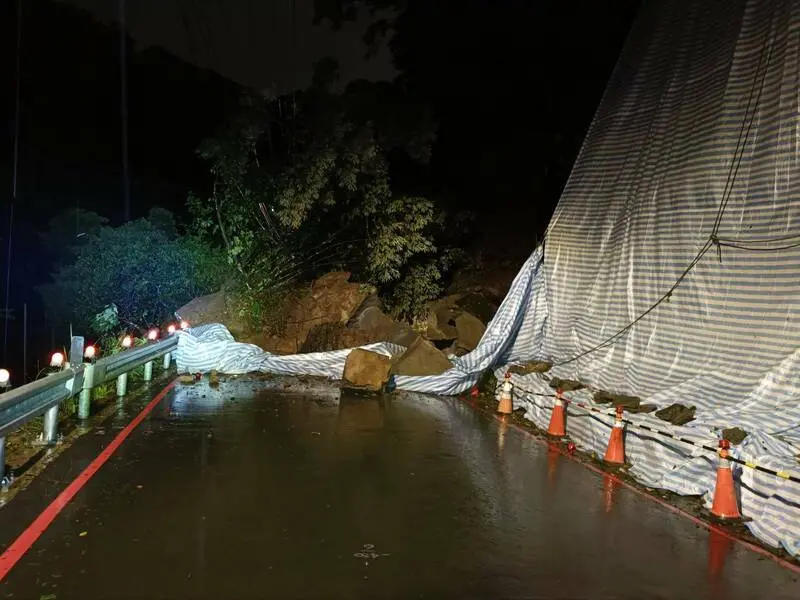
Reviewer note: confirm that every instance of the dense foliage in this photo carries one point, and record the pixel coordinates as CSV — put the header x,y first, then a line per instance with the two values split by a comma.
x,y
306,183
141,272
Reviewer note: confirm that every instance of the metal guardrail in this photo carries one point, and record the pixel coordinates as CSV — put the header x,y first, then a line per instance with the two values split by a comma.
x,y
25,403
43,396
108,368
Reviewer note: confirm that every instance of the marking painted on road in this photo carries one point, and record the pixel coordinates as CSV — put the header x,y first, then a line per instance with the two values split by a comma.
x,y
27,538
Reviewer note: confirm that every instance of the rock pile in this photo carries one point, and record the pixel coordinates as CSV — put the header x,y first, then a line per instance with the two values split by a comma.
x,y
335,313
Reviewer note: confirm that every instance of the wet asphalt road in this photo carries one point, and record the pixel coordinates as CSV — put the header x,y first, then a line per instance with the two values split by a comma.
x,y
232,493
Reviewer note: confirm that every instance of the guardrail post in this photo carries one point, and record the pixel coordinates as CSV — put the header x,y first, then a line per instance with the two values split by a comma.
x,y
148,371
76,350
85,401
122,385
50,425
167,360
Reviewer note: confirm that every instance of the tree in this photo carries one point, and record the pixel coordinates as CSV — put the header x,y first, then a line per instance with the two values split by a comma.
x,y
135,268
310,184
163,220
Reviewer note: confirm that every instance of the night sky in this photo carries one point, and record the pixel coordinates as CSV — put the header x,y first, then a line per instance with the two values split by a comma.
x,y
263,44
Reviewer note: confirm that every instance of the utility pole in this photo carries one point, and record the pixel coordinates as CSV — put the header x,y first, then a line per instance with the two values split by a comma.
x,y
25,343
13,184
123,68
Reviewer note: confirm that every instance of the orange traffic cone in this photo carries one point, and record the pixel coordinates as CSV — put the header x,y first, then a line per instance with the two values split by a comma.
x,y
615,453
506,404
725,505
557,427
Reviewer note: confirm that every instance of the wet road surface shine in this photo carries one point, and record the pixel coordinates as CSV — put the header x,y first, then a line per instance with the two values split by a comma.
x,y
233,494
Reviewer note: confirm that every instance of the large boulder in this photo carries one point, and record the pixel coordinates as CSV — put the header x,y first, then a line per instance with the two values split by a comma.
x,y
380,327
482,304
421,358
404,336
212,308
470,330
332,299
360,318
334,336
370,317
366,371
442,325
367,326
336,298
453,328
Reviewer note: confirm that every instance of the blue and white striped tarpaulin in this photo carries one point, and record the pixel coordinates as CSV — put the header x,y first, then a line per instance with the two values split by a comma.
x,y
671,268
672,263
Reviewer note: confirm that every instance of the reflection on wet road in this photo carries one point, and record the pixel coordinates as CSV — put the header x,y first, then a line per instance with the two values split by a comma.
x,y
236,493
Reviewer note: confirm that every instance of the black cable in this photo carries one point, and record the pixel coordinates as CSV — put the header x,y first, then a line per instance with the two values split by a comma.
x,y
744,134
732,172
187,28
725,201
770,240
203,30
752,249
708,245
209,35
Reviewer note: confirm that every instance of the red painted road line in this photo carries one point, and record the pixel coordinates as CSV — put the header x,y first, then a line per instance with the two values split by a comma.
x,y
699,522
23,543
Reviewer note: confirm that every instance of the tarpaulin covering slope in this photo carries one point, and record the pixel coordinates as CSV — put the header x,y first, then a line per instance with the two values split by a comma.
x,y
670,269
693,153
673,259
